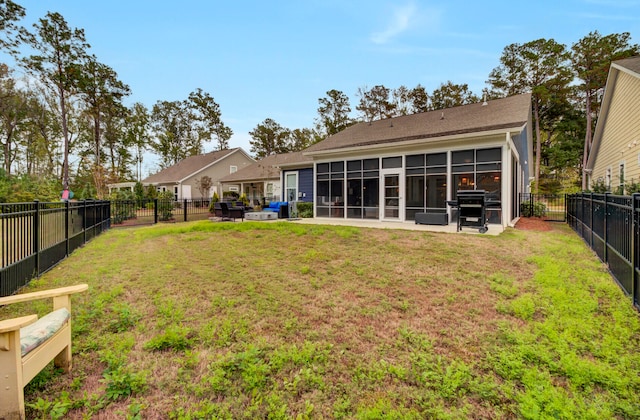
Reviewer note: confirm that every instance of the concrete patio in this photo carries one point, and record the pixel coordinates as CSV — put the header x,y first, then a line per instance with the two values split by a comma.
x,y
377,224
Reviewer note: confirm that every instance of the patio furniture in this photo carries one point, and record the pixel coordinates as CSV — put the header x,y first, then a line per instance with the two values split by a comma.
x,y
225,212
429,218
27,345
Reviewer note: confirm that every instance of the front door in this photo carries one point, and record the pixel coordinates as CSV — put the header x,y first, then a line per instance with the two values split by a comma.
x,y
391,185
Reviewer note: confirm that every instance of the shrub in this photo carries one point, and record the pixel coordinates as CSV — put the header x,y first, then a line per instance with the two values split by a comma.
x,y
599,187
539,209
305,209
165,205
632,187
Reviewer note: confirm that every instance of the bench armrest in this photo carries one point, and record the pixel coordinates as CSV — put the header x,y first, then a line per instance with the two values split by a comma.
x,y
16,323
52,293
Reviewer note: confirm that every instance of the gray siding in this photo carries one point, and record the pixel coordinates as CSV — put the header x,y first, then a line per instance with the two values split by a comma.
x,y
520,141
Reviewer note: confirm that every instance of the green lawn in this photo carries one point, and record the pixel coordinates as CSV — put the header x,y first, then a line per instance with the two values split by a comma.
x,y
252,320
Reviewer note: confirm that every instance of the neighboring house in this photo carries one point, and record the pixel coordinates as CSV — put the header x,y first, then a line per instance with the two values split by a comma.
x,y
393,168
615,153
182,178
269,179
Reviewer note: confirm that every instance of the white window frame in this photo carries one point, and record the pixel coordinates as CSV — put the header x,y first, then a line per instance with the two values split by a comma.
x,y
233,169
288,187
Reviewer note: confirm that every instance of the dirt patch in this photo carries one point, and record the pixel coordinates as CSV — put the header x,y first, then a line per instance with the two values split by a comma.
x,y
534,223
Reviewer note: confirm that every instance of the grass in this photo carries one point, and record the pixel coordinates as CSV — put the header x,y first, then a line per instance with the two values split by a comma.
x,y
207,320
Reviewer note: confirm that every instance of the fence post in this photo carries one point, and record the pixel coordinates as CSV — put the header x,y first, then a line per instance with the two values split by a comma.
x,y
185,209
606,228
84,221
66,228
36,234
155,211
634,261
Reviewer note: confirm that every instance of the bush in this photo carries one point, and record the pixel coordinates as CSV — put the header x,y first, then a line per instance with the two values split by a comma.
x,y
305,210
165,205
632,187
599,187
230,194
539,209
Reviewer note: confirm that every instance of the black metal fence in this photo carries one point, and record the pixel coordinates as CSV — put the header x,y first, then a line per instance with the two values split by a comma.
x,y
550,207
151,211
609,224
36,236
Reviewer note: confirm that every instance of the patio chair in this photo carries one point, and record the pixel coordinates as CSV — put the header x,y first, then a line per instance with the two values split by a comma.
x,y
224,211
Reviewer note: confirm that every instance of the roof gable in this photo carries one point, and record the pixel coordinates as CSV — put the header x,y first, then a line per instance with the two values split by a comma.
x,y
500,114
630,66
189,166
267,168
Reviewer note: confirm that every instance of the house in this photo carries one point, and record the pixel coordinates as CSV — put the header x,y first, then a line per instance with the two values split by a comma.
x,y
277,177
183,178
391,169
615,153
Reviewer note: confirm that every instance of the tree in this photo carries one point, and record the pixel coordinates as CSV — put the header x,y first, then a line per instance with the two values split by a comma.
x,y
563,154
102,93
540,67
58,65
13,110
333,112
419,99
450,94
300,139
591,58
10,13
207,114
375,104
137,133
269,137
204,185
174,136
402,102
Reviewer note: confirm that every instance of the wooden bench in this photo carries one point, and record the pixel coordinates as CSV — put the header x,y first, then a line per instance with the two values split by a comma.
x,y
27,345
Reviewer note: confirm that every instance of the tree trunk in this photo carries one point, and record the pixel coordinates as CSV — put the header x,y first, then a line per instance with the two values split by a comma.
x,y
587,141
65,135
536,116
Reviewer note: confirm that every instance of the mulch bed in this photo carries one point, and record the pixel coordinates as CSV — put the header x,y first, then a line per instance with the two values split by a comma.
x,y
534,223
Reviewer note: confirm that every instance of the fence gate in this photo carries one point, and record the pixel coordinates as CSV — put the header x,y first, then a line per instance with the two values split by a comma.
x,y
549,207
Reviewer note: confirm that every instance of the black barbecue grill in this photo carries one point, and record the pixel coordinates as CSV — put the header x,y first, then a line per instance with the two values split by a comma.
x,y
472,208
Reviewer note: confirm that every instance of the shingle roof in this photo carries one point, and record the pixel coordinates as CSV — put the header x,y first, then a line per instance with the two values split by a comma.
x,y
188,166
499,114
632,63
266,168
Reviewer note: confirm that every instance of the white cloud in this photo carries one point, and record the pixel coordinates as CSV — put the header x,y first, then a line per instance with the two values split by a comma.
x,y
402,20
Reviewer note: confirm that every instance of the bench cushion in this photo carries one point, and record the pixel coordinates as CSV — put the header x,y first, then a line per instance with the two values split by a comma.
x,y
37,333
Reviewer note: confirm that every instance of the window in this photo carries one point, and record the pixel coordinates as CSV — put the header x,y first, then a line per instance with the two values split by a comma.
x,y
233,169
621,179
330,189
426,184
362,188
479,169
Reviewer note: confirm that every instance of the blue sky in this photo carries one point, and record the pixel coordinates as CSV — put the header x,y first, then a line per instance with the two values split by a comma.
x,y
274,59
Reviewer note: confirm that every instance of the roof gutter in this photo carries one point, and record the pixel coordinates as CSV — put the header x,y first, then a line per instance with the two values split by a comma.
x,y
394,145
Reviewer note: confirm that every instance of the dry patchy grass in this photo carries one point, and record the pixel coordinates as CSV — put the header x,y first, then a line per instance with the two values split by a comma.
x,y
279,320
